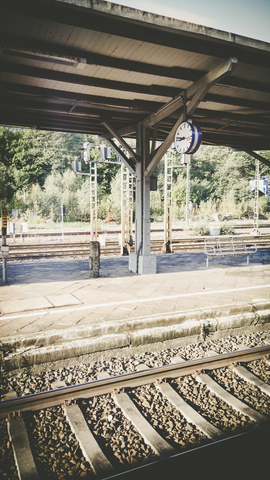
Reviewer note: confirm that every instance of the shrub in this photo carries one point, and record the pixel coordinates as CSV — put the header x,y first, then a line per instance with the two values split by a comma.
x,y
226,230
202,230
104,207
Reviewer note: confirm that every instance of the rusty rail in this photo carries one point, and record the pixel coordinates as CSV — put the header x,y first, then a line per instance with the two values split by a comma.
x,y
108,385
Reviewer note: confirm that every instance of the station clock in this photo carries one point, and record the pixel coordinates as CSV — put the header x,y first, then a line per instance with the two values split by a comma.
x,y
188,138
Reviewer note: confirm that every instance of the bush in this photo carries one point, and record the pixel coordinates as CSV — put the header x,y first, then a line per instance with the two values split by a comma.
x,y
264,205
104,207
157,207
226,230
208,208
202,230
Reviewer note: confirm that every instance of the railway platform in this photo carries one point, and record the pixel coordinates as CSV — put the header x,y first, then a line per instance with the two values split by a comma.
x,y
52,309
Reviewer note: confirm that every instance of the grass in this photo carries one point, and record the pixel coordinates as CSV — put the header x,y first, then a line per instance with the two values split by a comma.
x,y
194,223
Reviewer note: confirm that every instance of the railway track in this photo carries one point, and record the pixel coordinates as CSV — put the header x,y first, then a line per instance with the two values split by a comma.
x,y
141,424
112,248
247,226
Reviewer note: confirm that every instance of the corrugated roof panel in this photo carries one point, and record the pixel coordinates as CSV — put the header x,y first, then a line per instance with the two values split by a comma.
x,y
158,57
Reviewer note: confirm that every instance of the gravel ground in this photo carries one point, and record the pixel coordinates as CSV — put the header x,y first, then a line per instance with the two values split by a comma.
x,y
211,407
57,450
260,369
165,419
116,434
244,391
8,469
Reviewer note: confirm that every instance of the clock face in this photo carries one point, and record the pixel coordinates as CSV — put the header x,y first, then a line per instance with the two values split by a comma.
x,y
187,138
184,137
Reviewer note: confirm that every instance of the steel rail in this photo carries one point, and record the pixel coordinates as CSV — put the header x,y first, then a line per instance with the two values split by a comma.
x,y
114,232
82,249
41,400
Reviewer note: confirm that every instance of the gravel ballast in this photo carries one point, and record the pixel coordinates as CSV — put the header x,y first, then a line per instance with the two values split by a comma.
x,y
56,450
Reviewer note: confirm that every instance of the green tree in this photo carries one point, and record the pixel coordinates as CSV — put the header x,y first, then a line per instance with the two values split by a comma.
x,y
58,188
115,196
105,171
8,142
40,153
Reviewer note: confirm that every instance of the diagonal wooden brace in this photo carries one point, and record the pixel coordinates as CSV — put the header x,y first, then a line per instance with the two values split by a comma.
x,y
128,162
121,141
195,93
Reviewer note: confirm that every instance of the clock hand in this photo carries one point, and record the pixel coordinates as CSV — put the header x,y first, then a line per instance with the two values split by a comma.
x,y
182,138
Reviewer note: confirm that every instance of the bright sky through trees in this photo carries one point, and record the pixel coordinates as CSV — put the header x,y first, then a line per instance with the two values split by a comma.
x,y
250,18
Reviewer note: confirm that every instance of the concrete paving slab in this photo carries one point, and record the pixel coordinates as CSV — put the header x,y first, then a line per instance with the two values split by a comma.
x,y
88,320
93,295
63,300
69,297
71,318
24,305
37,326
16,326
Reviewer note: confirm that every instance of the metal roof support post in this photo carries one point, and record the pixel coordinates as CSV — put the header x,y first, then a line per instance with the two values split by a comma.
x,y
141,261
146,193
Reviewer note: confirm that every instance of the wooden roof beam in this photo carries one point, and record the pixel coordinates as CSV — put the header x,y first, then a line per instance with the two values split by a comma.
x,y
22,44
74,78
103,19
207,80
197,91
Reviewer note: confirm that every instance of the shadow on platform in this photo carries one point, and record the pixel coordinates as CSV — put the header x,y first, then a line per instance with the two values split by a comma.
x,y
78,269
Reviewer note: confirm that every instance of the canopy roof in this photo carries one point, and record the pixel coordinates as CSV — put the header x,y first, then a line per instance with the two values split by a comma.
x,y
79,65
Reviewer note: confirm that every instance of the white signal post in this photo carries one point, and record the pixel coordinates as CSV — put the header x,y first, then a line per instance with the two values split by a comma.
x,y
256,198
4,246
93,199
168,200
62,213
126,240
187,195
92,189
126,192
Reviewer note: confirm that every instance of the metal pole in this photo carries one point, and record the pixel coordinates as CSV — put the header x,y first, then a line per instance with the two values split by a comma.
x,y
166,199
4,231
4,268
168,165
256,198
62,212
187,197
93,200
96,235
90,202
123,201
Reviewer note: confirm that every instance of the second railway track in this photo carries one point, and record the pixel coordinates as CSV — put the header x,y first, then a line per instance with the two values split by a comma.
x,y
112,248
121,426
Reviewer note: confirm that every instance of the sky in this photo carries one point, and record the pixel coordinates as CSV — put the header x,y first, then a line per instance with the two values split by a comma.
x,y
250,18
